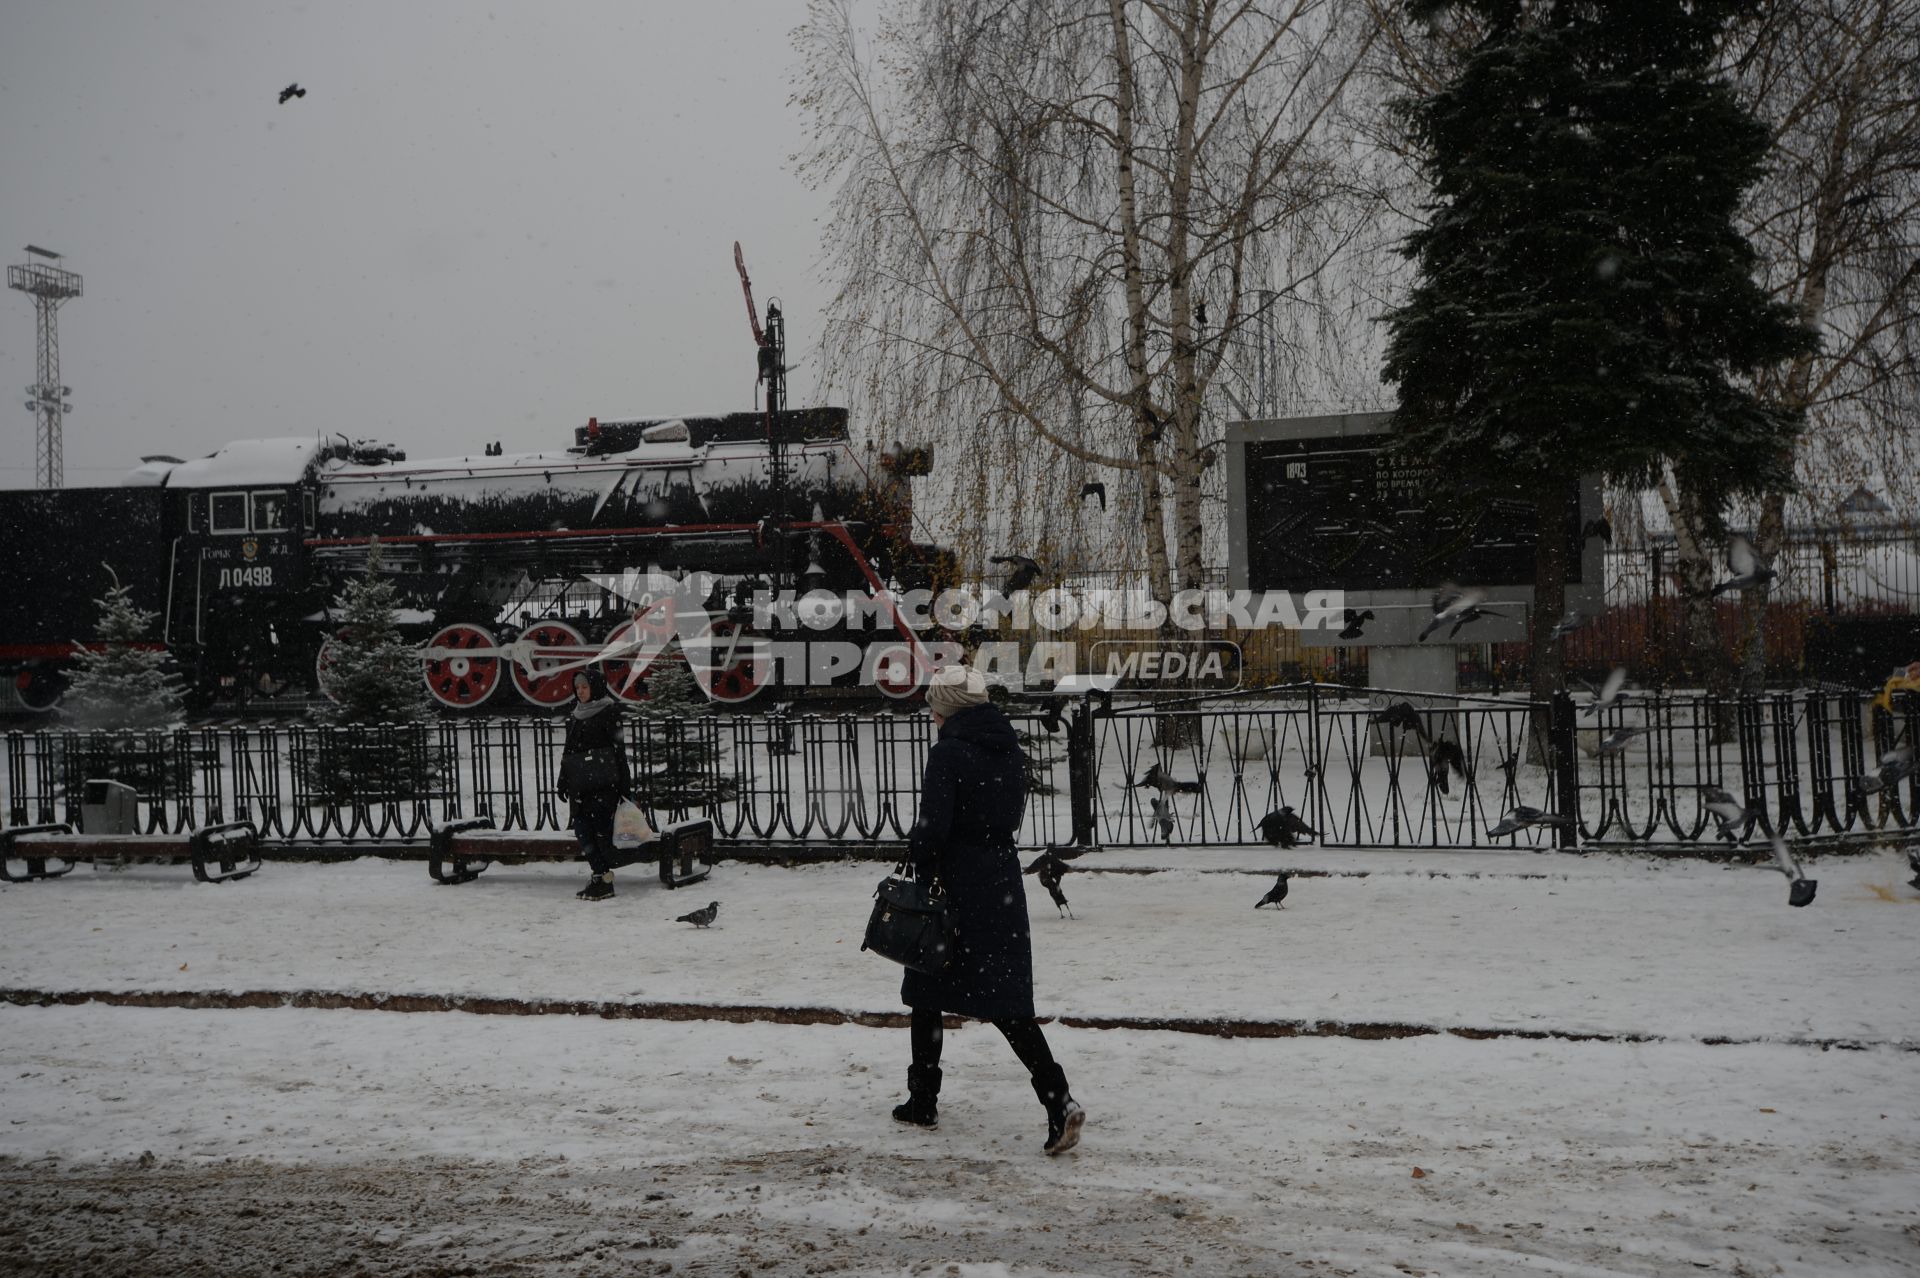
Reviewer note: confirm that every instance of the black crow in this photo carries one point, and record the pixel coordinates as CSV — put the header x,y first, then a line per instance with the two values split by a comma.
x,y
1094,488
1446,757
1283,829
1356,623
1600,528
1522,817
291,91
1166,784
1025,571
701,918
1402,716
1746,566
1051,869
1276,895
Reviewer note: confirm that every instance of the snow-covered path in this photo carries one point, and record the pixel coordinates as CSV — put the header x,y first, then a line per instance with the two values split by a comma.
x,y
1606,945
384,1144
440,1143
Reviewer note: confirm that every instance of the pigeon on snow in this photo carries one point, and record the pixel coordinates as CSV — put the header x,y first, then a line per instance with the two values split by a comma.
x,y
701,918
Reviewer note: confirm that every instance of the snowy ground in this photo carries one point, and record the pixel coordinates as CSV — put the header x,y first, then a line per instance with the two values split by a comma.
x,y
443,1143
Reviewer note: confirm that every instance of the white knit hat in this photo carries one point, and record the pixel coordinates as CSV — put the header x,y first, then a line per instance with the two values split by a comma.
x,y
953,689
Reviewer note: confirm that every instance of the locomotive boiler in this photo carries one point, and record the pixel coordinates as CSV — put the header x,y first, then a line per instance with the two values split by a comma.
x,y
507,564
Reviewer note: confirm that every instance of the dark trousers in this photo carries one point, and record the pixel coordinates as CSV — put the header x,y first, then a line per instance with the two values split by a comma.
x,y
1024,1036
593,823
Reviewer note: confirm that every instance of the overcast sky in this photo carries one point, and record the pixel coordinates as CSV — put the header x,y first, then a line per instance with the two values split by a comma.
x,y
482,222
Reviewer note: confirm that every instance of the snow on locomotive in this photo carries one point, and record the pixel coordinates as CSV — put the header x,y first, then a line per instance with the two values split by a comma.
x,y
507,564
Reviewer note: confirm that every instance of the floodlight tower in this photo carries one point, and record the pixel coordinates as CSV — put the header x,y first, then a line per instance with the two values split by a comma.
x,y
49,285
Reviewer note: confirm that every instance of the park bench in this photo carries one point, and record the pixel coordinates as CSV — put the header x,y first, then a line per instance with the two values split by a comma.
x,y
462,849
218,853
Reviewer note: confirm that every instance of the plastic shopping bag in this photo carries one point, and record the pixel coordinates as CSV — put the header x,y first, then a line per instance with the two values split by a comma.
x,y
630,828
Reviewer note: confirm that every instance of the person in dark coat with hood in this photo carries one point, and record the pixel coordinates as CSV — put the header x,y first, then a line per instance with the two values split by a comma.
x,y
594,776
971,801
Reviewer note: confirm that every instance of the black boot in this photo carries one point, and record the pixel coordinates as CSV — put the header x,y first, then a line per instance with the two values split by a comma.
x,y
1064,1115
598,888
923,1093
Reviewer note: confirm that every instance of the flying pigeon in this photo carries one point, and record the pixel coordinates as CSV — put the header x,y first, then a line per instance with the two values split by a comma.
x,y
1276,895
1025,571
1446,757
1574,620
1800,888
1726,809
1606,694
1452,604
1283,829
1523,817
291,91
1163,818
1746,565
1051,868
1896,765
1166,784
701,918
1600,528
1356,622
1094,488
1620,740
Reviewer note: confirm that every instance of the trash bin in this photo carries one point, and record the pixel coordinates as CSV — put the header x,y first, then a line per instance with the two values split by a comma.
x,y
107,807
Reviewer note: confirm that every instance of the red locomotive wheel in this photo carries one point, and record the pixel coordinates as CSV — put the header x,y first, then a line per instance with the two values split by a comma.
x,y
746,671
558,651
455,678
626,675
323,667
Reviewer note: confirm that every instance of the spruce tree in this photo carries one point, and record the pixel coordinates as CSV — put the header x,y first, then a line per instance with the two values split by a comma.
x,y
1584,302
373,678
127,680
676,764
373,673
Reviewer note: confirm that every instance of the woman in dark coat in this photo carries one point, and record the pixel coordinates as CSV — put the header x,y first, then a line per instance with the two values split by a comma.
x,y
970,806
594,776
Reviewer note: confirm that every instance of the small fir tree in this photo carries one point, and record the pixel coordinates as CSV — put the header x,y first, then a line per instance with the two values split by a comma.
x,y
126,681
374,678
676,758
373,673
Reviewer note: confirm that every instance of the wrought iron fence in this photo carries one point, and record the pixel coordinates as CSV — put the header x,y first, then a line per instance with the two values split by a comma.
x,y
1439,773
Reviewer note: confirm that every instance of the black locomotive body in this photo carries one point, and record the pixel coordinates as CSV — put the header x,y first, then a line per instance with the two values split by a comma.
x,y
508,566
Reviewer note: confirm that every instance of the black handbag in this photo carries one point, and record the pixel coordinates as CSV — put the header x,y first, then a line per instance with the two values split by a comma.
x,y
911,923
590,770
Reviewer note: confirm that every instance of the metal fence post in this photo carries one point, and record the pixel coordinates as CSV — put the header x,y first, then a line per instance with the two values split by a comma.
x,y
1080,774
1566,775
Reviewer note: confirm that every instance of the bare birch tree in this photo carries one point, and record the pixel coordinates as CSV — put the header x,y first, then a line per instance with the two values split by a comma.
x,y
1837,224
1055,221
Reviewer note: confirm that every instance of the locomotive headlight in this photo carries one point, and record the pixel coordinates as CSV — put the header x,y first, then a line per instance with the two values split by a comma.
x,y
820,609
